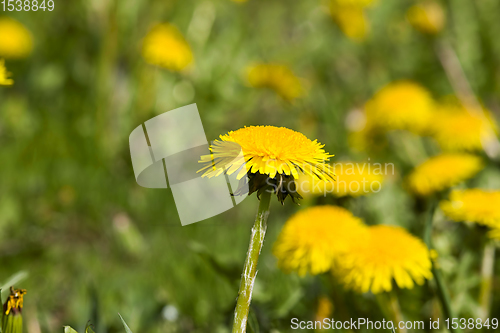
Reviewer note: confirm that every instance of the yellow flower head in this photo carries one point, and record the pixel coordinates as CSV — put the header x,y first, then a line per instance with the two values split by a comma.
x,y
388,253
271,155
4,75
427,17
351,20
443,171
473,205
457,129
276,77
15,39
401,105
313,239
14,303
352,179
165,46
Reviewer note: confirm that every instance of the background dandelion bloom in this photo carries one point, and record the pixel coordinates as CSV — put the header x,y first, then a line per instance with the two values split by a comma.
x,y
276,77
401,105
473,205
4,75
455,128
388,253
352,179
314,238
443,171
15,39
427,17
165,46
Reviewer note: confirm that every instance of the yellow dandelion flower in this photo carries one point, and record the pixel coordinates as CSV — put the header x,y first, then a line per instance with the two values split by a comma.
x,y
272,156
443,171
389,253
4,75
276,77
314,238
427,17
12,319
352,179
401,105
351,20
456,128
15,39
165,46
473,205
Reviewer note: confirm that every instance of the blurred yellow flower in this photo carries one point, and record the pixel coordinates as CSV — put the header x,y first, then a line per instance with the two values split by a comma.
x,y
401,105
443,171
165,46
271,155
455,128
4,75
15,40
351,20
427,17
388,253
473,205
352,178
276,77
312,239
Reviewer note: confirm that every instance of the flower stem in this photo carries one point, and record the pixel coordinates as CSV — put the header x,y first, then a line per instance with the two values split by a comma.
x,y
389,306
250,268
442,292
486,280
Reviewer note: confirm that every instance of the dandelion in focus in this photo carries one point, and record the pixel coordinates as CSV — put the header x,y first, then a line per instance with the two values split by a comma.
x,y
401,105
443,171
352,179
456,128
272,156
427,17
270,159
165,46
389,253
15,40
313,239
473,205
4,75
279,78
12,319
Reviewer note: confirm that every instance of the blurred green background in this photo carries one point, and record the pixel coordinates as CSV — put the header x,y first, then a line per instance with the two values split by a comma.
x,y
94,243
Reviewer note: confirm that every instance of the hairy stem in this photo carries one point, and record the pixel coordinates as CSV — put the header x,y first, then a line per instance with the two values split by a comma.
x,y
250,268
